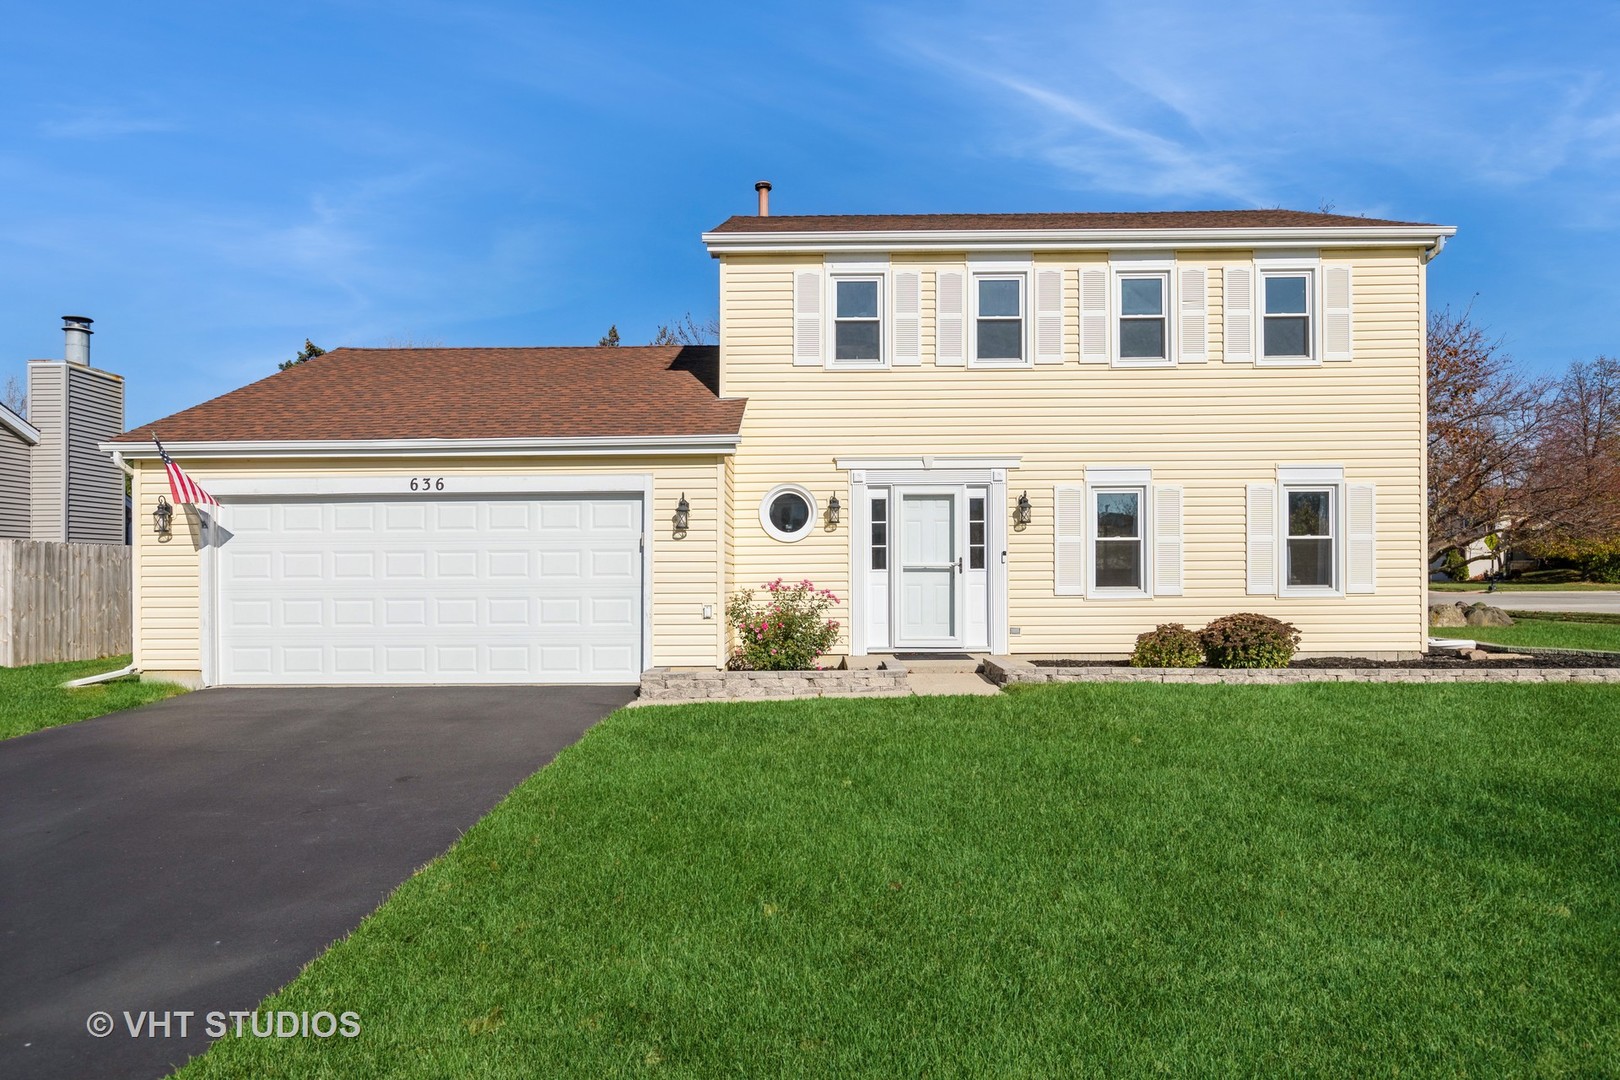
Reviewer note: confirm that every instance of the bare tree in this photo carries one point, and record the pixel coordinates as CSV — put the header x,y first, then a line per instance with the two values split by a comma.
x,y
1575,472
688,331
409,340
15,396
1485,424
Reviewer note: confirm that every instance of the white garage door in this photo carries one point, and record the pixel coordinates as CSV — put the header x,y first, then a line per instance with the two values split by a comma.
x,y
473,590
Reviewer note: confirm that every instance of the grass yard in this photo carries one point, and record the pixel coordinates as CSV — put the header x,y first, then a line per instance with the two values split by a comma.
x,y
31,698
1068,880
1541,633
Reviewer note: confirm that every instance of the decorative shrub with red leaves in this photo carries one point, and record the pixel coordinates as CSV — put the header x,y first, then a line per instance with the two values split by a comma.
x,y
1168,645
1249,640
783,629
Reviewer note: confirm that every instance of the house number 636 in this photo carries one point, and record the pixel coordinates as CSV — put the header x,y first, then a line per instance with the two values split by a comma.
x,y
427,483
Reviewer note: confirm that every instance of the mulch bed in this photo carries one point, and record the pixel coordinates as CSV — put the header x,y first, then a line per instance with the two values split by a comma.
x,y
1433,661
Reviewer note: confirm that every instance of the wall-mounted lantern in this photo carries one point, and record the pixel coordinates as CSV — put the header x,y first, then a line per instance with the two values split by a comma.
x,y
163,517
835,511
683,516
1021,514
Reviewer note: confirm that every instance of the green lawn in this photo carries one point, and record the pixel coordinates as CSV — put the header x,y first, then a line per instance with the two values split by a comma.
x,y
1129,879
32,698
1541,632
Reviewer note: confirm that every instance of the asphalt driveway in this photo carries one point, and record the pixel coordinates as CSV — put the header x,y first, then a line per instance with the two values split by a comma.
x,y
194,854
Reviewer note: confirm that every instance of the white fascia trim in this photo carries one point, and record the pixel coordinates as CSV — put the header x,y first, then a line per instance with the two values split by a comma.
x,y
399,487
25,431
727,243
926,461
705,445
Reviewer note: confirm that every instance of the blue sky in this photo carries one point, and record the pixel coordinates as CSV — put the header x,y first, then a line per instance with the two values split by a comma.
x,y
215,182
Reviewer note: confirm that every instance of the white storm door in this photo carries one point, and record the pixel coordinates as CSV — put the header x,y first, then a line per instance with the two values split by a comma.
x,y
516,589
929,570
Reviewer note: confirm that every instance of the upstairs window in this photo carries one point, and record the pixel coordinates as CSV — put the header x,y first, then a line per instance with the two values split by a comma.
x,y
1144,326
998,336
1286,329
857,325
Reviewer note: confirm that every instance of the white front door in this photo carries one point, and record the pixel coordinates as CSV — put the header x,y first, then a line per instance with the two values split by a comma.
x,y
930,570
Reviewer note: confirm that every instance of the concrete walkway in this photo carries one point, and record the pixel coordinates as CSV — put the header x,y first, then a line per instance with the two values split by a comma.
x,y
936,683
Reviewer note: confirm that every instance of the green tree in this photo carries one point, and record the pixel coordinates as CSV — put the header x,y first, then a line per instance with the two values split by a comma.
x,y
309,352
611,338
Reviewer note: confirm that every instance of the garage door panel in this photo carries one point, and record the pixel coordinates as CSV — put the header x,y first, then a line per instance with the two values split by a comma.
x,y
518,589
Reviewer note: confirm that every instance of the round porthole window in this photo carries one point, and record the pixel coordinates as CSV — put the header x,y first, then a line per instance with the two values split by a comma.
x,y
787,512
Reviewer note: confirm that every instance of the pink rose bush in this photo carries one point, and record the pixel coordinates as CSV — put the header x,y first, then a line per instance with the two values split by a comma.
x,y
784,629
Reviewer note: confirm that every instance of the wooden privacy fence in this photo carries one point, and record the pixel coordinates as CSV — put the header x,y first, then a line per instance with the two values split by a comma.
x,y
62,601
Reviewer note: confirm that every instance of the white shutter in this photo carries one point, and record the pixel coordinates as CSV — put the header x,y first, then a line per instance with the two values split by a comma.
x,y
1361,539
1049,316
1262,540
1069,540
1167,547
1192,335
1094,316
950,313
807,323
1336,343
1238,315
907,318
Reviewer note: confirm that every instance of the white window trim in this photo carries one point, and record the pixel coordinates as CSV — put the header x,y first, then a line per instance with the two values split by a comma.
x,y
765,513
1021,267
1288,264
1311,478
853,268
1106,478
1121,267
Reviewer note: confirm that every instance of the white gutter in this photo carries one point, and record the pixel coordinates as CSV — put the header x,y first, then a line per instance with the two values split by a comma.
x,y
105,676
1365,236
118,460
655,445
26,431
1430,254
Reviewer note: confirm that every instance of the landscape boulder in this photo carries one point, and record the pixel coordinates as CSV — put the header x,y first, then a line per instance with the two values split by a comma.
x,y
1485,615
1447,615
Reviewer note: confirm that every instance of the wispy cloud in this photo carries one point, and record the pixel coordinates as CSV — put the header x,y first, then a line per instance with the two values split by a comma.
x,y
102,123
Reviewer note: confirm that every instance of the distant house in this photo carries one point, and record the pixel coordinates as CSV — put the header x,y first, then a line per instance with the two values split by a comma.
x,y
55,484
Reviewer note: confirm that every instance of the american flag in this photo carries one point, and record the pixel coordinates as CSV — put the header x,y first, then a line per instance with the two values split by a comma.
x,y
185,490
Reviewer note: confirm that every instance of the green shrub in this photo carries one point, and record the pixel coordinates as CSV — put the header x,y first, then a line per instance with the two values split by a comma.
x,y
1596,560
787,629
1456,565
1168,645
1249,640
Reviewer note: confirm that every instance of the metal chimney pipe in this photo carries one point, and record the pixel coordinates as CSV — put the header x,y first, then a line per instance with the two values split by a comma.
x,y
764,189
76,332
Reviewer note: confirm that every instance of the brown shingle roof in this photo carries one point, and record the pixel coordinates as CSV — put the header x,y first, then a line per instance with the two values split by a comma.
x,y
1158,219
469,394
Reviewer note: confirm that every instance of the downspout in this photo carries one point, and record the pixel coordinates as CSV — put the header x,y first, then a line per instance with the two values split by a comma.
x,y
105,676
1429,254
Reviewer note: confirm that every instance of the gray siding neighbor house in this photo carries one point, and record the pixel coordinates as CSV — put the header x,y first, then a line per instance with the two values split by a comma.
x,y
54,483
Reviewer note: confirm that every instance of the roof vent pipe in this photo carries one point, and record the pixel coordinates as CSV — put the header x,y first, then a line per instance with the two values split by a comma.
x,y
764,189
76,332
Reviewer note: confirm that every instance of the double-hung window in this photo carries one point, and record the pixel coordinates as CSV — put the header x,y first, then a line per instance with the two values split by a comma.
x,y
1118,540
857,320
998,319
1286,332
1310,553
1144,323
